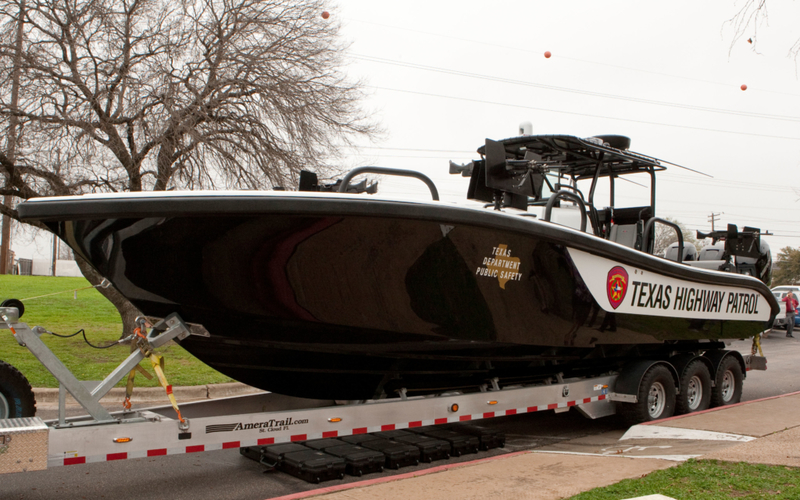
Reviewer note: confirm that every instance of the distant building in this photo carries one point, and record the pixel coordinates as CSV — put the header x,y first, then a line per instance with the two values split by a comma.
x,y
44,267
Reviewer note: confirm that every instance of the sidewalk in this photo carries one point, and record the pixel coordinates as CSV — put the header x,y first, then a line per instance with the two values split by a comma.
x,y
47,399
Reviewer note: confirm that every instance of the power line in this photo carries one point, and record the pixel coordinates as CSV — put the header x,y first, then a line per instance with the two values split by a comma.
x,y
574,91
519,106
413,149
604,64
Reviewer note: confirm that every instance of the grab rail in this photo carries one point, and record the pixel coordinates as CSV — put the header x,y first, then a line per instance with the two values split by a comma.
x,y
389,171
568,195
648,227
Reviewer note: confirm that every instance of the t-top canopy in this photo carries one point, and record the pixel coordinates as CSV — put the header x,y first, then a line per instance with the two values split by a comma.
x,y
573,156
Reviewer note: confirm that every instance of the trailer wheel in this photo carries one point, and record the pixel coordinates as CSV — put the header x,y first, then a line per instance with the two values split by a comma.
x,y
695,392
655,398
16,395
728,386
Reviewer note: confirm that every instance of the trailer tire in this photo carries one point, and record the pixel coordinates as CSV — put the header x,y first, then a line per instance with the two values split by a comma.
x,y
695,392
655,398
16,396
728,383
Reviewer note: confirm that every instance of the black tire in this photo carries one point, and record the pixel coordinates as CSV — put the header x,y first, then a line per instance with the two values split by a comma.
x,y
14,303
655,399
16,396
695,392
727,383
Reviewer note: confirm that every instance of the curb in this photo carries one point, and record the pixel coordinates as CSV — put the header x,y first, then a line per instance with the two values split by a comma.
x,y
48,396
718,408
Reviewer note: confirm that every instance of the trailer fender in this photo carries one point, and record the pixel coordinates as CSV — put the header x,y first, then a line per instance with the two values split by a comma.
x,y
681,361
630,378
716,357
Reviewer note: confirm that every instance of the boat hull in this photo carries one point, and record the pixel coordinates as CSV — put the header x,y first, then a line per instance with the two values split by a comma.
x,y
354,298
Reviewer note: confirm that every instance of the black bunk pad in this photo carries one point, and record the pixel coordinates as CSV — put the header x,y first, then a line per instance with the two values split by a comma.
x,y
321,444
422,430
430,449
459,443
359,439
271,455
358,460
393,434
313,466
489,438
397,454
252,452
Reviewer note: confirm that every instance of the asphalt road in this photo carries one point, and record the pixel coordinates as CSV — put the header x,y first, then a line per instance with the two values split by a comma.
x,y
227,475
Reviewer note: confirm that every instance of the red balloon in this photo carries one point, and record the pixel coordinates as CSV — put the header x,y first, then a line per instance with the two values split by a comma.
x,y
325,15
547,55
744,87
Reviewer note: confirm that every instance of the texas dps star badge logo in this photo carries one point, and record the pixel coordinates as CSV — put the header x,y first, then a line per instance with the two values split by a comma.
x,y
617,286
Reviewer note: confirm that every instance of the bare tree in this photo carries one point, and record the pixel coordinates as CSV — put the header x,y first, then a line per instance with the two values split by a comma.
x,y
666,236
131,95
748,19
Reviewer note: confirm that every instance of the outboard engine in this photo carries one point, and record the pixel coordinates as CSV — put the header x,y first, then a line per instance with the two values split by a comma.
x,y
760,267
745,252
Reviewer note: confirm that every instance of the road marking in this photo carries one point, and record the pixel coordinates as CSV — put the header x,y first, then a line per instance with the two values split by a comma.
x,y
674,458
660,432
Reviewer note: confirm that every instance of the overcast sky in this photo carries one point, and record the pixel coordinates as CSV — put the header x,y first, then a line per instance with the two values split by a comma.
x,y
443,76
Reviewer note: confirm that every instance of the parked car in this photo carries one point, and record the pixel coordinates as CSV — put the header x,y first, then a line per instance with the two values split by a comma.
x,y
780,292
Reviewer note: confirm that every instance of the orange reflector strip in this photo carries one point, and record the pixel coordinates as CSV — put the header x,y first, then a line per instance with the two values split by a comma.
x,y
334,420
123,440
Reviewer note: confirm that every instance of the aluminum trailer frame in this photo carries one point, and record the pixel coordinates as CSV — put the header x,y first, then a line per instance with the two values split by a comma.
x,y
242,421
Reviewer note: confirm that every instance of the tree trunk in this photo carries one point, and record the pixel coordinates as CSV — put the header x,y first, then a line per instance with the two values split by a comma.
x,y
127,310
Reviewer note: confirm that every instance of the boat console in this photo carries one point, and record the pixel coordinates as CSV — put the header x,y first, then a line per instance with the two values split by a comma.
x,y
544,170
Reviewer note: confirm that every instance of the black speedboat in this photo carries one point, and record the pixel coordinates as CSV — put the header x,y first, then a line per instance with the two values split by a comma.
x,y
346,296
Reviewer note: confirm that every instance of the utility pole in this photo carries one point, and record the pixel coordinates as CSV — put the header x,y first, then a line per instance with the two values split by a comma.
x,y
11,153
713,218
55,252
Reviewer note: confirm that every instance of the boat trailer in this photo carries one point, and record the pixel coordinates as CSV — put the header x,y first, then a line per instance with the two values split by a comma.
x,y
29,443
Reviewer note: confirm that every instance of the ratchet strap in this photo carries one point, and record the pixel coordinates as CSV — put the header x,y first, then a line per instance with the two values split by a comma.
x,y
158,365
756,349
129,386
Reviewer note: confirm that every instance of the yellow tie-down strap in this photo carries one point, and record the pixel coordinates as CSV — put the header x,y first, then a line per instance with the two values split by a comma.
x,y
158,366
158,363
129,386
756,349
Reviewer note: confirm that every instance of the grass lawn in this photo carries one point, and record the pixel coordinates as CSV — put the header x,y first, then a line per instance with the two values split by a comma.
x,y
72,307
707,480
